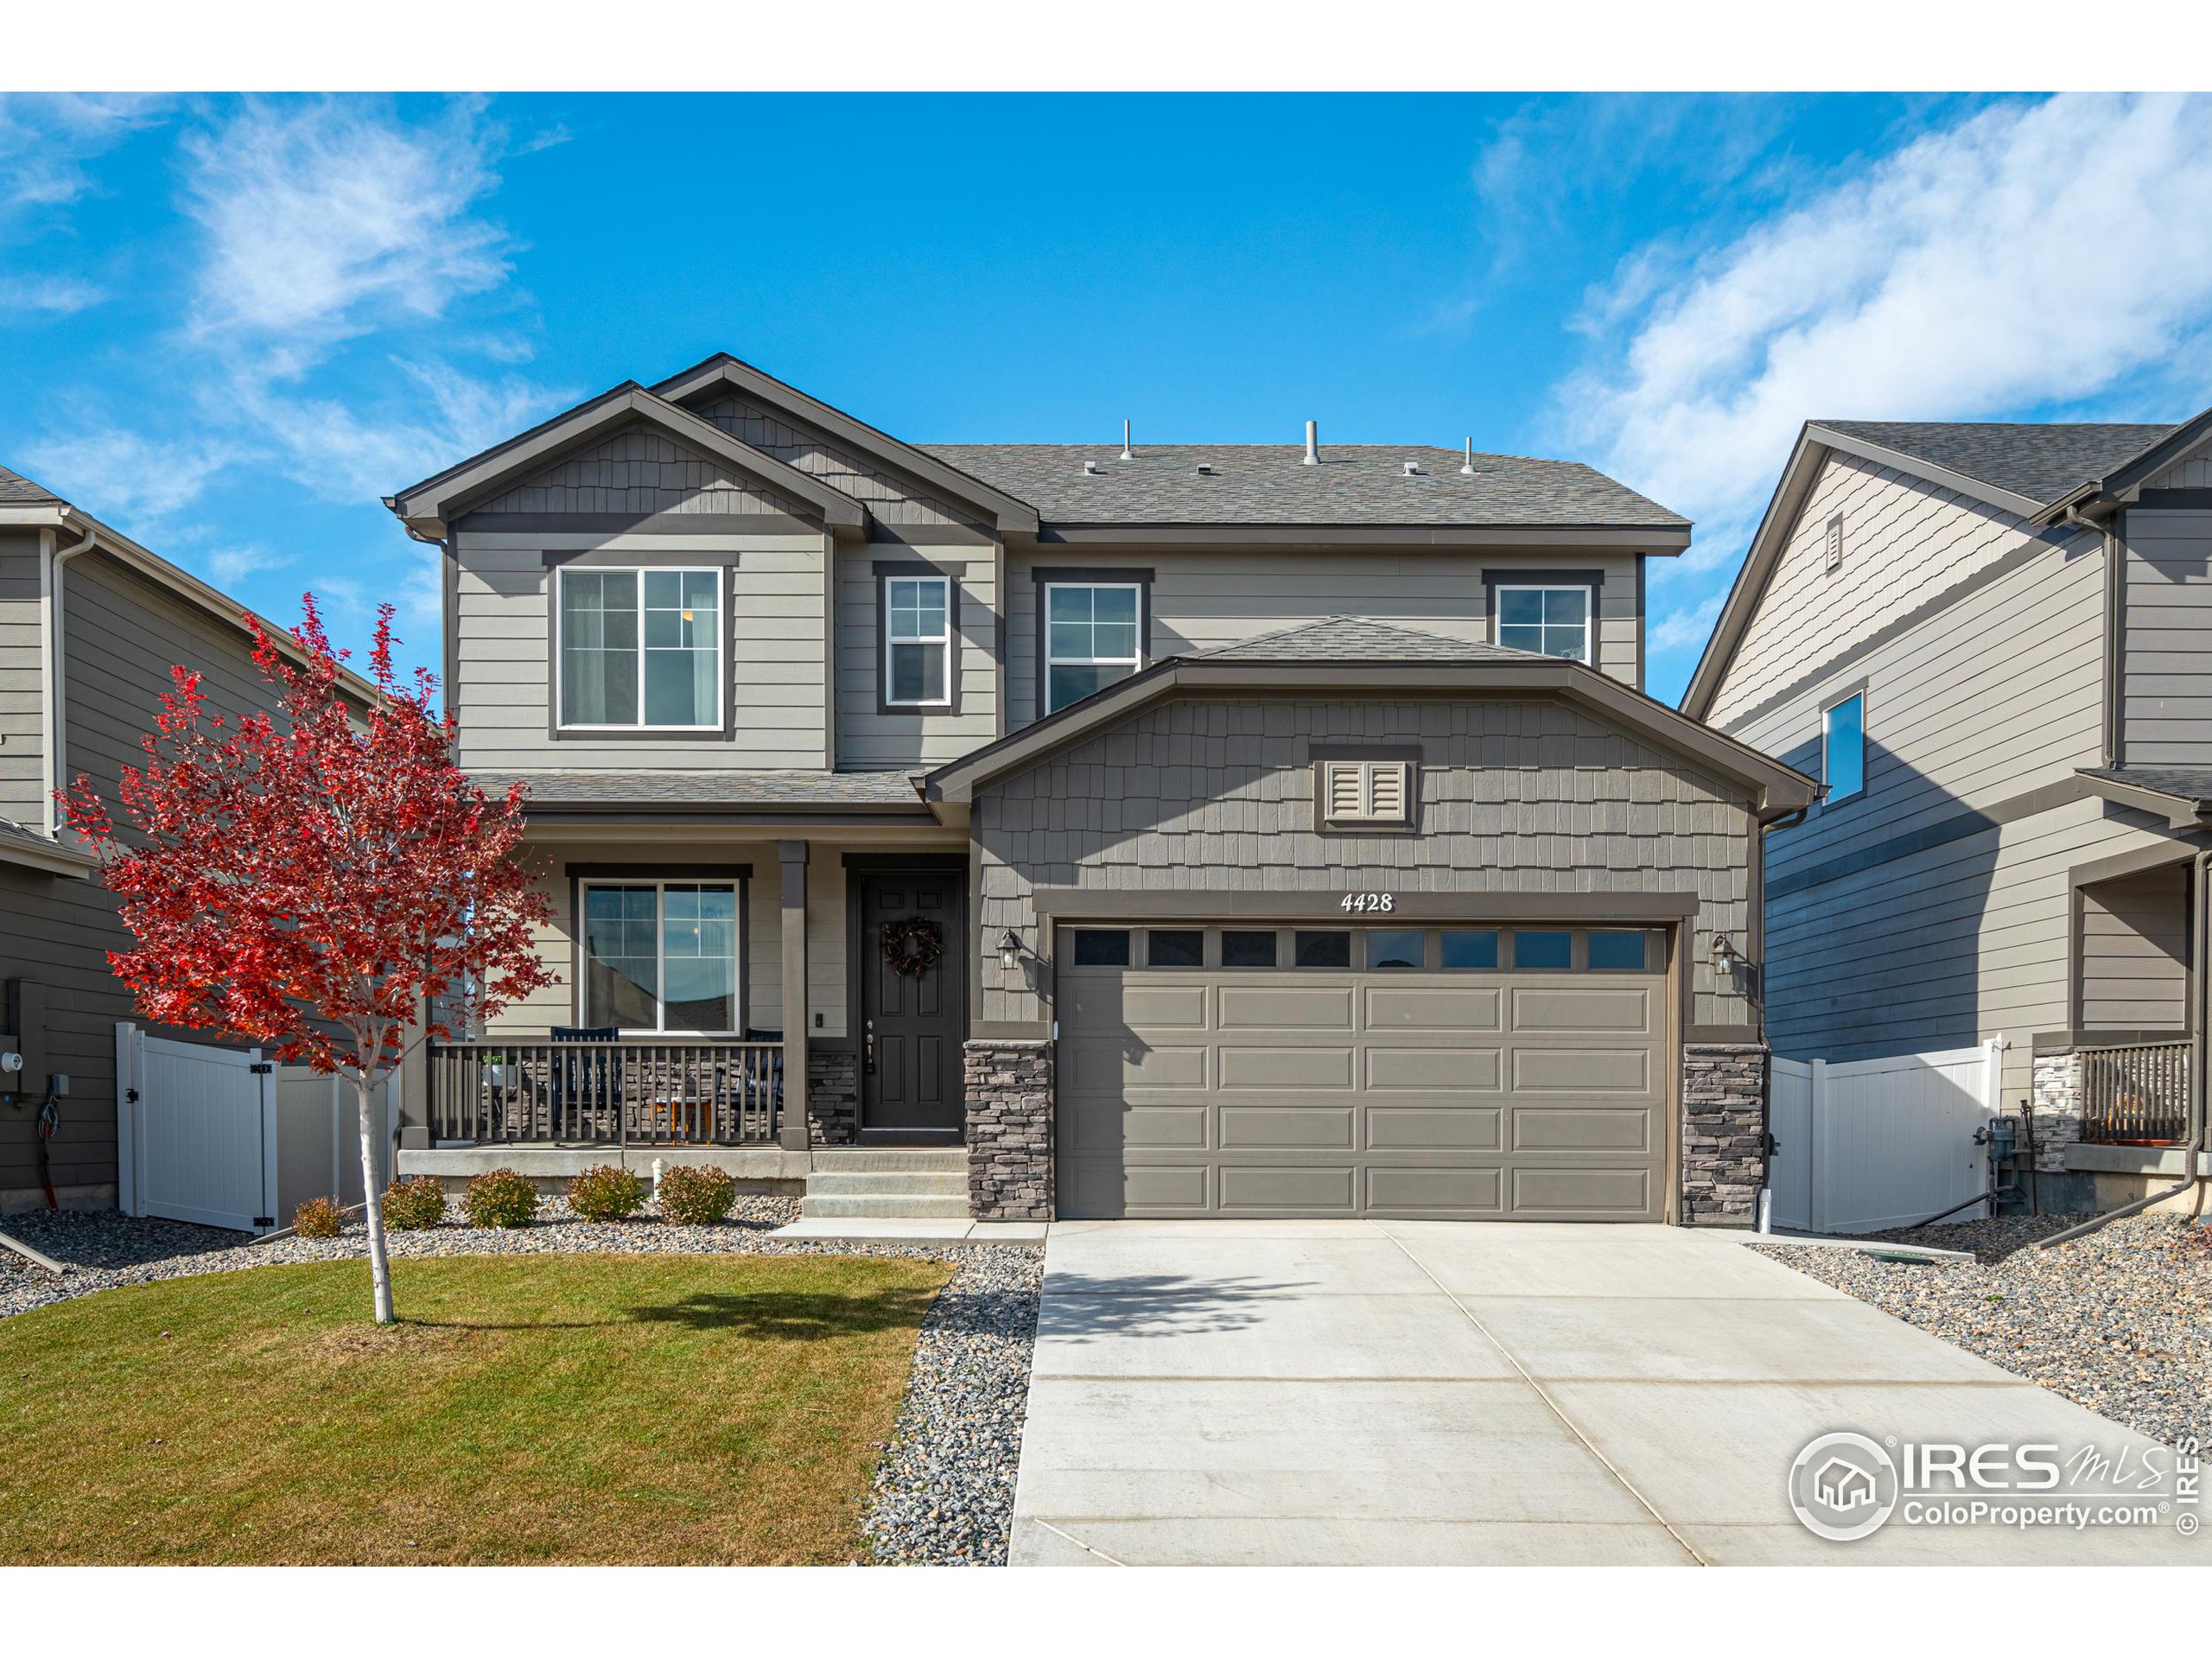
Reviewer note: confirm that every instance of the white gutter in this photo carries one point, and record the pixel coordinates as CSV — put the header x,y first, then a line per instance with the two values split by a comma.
x,y
50,665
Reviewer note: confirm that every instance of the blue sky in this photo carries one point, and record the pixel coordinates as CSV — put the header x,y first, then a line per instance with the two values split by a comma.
x,y
228,326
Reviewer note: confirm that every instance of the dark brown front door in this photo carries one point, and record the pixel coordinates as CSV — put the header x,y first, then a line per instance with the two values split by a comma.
x,y
912,1023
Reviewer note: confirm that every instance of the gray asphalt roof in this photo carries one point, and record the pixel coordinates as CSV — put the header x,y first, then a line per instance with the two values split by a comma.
x,y
17,491
2040,460
1361,640
797,789
2192,784
1270,484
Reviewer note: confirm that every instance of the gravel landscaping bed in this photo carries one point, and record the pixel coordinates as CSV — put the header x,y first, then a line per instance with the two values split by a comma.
x,y
2120,1321
943,1493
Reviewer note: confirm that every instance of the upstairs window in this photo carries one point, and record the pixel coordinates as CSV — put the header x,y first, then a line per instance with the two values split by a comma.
x,y
641,648
917,642
1366,791
1843,748
1092,638
1553,622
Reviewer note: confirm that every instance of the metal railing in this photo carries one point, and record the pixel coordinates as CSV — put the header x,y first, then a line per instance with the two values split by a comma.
x,y
2137,1093
631,1091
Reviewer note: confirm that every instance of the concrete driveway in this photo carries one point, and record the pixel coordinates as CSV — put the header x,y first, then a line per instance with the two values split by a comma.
x,y
1395,1393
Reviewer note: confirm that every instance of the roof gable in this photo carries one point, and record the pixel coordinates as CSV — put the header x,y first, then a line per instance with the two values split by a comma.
x,y
1361,640
2032,462
642,468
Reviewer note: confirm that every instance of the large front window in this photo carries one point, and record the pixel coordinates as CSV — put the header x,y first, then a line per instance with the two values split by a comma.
x,y
661,955
1092,639
641,648
1554,621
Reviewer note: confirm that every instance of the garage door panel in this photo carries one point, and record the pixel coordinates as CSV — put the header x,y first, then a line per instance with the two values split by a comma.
x,y
1284,1066
1273,1188
1091,1067
1482,1069
1440,1008
1429,1188
1574,1190
1581,1071
1583,1129
1250,1006
1105,1128
1305,1129
1436,1128
1165,1008
1626,1010
1100,1188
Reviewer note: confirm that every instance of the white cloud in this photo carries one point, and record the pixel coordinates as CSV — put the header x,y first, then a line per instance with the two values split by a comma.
x,y
2033,254
232,565
53,297
124,477
47,139
1686,627
321,218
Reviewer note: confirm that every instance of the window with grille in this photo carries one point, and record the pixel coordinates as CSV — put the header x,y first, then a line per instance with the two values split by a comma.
x,y
1366,791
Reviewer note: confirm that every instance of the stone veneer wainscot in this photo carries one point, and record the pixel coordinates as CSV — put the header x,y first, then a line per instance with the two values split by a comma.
x,y
1724,1132
1009,1130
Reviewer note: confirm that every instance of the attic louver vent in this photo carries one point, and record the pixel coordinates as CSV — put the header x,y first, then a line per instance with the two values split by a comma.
x,y
1832,544
1368,791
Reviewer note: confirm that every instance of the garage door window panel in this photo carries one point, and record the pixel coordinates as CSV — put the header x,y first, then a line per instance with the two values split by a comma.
x,y
1470,948
1545,950
1323,949
1245,948
1100,947
1397,948
1175,948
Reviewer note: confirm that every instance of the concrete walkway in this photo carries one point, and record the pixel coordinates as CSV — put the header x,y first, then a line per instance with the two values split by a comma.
x,y
1316,1393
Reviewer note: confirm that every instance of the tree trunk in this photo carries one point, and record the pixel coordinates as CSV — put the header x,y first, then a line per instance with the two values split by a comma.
x,y
372,1193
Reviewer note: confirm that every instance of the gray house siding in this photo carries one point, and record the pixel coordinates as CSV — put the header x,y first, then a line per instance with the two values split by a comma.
x,y
22,741
870,738
121,635
1516,797
1204,599
2168,635
641,471
2134,948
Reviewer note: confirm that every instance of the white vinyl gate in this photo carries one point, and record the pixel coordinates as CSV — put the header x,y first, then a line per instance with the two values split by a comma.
x,y
1869,1144
217,1136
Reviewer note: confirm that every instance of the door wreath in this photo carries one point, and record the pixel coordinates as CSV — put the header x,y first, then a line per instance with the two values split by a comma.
x,y
912,947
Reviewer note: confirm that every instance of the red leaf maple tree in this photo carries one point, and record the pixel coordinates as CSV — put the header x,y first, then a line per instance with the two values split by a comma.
x,y
309,880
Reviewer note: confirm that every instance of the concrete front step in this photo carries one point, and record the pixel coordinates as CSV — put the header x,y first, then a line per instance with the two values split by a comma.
x,y
919,1183
877,1159
887,1207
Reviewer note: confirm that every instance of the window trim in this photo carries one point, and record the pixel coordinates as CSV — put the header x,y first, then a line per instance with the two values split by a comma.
x,y
1046,578
725,652
1856,692
659,877
1589,591
886,572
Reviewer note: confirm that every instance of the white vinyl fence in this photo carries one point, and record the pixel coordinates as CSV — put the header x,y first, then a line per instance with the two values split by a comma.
x,y
220,1137
1869,1144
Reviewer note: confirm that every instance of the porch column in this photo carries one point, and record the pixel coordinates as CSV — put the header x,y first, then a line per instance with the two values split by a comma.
x,y
793,1133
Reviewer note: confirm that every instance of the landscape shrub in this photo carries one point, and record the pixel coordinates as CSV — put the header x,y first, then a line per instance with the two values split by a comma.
x,y
501,1197
605,1192
692,1196
318,1218
413,1204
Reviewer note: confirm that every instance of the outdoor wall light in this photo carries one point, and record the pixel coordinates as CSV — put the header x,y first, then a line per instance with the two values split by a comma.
x,y
1725,955
1010,950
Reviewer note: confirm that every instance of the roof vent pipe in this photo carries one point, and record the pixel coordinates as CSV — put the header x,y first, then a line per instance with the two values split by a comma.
x,y
1469,469
1312,443
1126,455
1090,468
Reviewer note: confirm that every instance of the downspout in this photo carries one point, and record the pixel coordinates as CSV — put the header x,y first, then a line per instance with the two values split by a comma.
x,y
2199,932
2111,736
50,650
1757,999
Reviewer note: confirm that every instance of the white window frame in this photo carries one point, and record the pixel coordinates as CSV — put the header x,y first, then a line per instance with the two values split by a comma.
x,y
585,1012
1589,657
1134,663
891,637
1857,696
640,571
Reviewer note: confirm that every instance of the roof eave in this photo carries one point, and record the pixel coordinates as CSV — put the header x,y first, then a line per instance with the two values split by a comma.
x,y
2180,811
55,860
1663,540
2119,485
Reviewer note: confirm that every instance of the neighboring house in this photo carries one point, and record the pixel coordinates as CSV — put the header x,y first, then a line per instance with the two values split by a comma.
x,y
1185,829
90,624
1993,644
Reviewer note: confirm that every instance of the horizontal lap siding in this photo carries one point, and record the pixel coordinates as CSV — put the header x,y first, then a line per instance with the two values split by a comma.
x,y
23,739
1205,600
1516,797
778,670
2135,952
868,740
1904,540
2168,637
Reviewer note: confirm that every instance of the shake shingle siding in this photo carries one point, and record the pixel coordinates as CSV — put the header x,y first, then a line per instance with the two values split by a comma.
x,y
1516,797
642,471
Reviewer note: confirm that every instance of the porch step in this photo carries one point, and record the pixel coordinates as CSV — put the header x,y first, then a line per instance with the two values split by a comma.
x,y
885,1206
889,1183
879,1159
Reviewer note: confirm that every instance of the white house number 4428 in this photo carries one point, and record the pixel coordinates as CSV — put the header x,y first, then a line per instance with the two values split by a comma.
x,y
1366,901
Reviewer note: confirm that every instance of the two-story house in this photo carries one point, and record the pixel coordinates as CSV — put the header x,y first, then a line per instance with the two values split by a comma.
x,y
1991,643
1137,830
91,625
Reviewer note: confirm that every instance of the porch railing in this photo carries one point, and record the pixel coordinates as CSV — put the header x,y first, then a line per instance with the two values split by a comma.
x,y
2135,1093
632,1091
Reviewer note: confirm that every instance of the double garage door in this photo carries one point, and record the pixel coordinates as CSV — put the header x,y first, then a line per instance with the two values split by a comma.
x,y
1455,1073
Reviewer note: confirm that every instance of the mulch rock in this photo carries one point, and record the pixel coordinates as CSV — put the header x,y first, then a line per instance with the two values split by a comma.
x,y
943,1492
2120,1321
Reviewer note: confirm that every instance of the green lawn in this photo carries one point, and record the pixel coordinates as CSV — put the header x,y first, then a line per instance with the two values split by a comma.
x,y
628,1410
